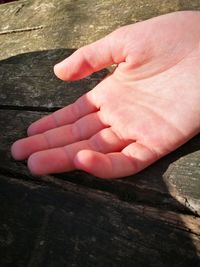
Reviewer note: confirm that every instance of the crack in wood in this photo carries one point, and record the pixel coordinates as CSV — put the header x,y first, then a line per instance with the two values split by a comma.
x,y
29,108
28,29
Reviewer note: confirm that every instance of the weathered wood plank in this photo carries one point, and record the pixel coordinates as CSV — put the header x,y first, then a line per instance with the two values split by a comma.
x,y
43,226
151,187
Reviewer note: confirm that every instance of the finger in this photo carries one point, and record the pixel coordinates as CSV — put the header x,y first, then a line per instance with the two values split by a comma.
x,y
91,58
54,160
134,158
62,159
67,115
82,129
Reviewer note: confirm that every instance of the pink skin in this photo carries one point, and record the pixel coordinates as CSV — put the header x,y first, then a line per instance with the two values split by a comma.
x,y
148,107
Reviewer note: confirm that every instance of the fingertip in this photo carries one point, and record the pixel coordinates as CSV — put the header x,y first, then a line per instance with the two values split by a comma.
x,y
42,125
30,130
33,165
83,160
58,70
17,151
63,71
36,127
13,150
94,163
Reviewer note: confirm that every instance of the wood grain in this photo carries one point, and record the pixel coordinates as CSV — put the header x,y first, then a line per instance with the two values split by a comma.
x,y
80,227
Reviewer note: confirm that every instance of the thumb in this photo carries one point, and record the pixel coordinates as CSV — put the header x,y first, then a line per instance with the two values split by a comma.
x,y
91,58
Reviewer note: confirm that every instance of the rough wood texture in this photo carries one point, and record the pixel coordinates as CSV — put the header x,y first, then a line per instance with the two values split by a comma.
x,y
75,219
44,226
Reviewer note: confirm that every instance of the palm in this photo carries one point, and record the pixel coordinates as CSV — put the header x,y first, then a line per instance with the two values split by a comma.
x,y
148,107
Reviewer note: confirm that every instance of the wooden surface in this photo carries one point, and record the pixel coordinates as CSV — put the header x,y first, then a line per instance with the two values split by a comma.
x,y
75,219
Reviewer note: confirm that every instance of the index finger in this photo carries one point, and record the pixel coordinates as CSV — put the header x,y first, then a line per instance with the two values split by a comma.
x,y
67,115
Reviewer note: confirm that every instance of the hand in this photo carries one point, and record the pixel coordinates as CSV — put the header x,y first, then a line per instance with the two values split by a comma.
x,y
148,107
